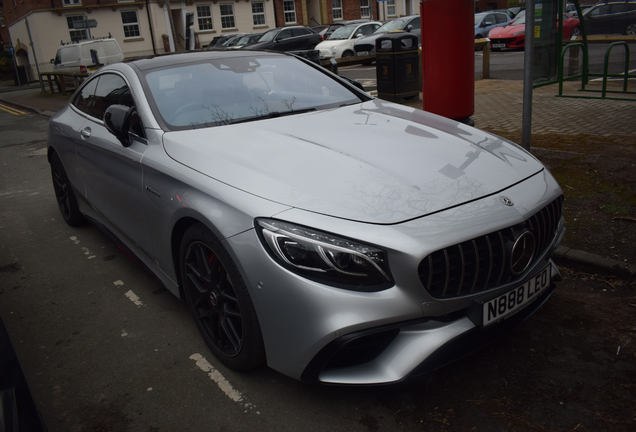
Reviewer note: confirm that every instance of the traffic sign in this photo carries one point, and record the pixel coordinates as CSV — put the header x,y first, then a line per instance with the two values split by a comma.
x,y
11,50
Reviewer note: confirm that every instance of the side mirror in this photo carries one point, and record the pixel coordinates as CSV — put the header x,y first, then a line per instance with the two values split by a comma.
x,y
117,121
486,24
52,61
409,27
359,35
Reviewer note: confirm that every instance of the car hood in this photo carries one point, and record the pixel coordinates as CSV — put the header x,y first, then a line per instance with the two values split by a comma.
x,y
506,31
374,162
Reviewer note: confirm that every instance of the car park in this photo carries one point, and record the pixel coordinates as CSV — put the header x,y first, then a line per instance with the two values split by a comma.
x,y
611,17
327,31
247,39
514,35
296,38
341,42
486,21
411,24
226,43
379,247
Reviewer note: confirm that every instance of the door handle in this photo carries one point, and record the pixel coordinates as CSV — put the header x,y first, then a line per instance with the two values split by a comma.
x,y
86,133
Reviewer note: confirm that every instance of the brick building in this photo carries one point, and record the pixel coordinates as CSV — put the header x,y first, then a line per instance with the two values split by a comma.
x,y
484,5
145,27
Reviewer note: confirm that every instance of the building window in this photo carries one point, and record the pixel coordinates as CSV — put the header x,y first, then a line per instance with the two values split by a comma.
x,y
204,16
131,24
390,7
1,20
72,2
227,16
289,9
258,13
76,35
365,10
336,9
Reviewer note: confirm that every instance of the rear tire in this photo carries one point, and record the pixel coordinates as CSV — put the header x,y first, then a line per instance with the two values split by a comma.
x,y
219,301
631,29
576,33
64,195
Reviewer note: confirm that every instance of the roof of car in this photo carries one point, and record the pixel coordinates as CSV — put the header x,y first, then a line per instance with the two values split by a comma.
x,y
163,60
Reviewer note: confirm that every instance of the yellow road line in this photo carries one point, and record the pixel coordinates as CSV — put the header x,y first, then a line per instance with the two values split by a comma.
x,y
11,110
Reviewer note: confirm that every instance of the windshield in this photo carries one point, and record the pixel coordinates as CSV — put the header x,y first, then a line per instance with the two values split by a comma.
x,y
234,89
269,36
478,18
342,33
520,19
396,24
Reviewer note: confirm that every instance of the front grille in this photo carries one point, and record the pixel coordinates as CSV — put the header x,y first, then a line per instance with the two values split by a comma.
x,y
483,263
503,40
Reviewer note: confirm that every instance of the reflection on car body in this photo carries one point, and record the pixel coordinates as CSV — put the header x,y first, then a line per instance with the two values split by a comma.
x,y
365,252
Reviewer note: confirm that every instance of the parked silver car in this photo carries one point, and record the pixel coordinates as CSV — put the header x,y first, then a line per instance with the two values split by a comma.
x,y
337,237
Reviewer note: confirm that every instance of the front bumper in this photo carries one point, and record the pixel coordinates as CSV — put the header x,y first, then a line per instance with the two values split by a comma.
x,y
406,349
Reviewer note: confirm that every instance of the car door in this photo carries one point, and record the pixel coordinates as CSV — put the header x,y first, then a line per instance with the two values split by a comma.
x,y
112,173
302,38
596,21
415,26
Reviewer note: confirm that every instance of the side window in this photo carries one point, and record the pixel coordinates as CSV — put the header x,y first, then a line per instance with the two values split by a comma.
x,y
618,8
416,23
85,100
111,90
299,32
284,34
489,20
501,18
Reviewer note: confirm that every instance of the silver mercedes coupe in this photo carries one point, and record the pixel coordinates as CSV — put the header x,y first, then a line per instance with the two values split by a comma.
x,y
335,237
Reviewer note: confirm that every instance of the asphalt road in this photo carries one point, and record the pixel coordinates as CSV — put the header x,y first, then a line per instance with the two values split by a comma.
x,y
106,348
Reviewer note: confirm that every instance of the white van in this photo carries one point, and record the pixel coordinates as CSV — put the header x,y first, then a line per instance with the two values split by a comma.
x,y
87,56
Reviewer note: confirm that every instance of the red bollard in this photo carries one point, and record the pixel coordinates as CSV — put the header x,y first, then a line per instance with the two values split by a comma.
x,y
448,58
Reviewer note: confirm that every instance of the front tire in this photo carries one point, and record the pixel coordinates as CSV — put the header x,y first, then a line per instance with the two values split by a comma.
x,y
576,33
219,301
631,29
64,195
347,54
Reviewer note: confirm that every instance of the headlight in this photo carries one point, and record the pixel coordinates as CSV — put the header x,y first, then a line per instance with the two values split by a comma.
x,y
324,257
519,32
333,49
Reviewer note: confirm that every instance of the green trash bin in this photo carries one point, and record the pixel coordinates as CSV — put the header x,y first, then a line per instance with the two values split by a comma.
x,y
397,66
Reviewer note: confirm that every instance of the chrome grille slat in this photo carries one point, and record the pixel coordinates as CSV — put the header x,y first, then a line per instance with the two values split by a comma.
x,y
480,264
472,288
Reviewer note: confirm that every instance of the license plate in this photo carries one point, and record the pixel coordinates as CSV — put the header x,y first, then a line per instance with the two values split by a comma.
x,y
499,45
361,53
92,68
517,298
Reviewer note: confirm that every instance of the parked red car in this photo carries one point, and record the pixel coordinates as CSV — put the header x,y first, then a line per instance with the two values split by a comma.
x,y
514,35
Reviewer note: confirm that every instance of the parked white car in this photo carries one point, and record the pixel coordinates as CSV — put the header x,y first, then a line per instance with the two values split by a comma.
x,y
340,43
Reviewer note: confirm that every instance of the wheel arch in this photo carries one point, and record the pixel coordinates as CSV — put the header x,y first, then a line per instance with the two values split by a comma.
x,y
178,231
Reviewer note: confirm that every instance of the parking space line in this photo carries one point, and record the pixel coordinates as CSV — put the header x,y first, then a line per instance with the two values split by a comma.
x,y
220,380
11,110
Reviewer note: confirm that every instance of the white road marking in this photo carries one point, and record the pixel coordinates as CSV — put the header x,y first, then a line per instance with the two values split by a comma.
x,y
133,298
220,380
74,240
118,283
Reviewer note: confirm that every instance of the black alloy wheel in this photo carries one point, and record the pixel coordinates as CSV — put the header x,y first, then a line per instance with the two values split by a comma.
x,y
219,301
64,193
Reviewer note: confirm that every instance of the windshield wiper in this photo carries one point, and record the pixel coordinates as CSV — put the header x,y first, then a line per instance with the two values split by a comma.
x,y
273,114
